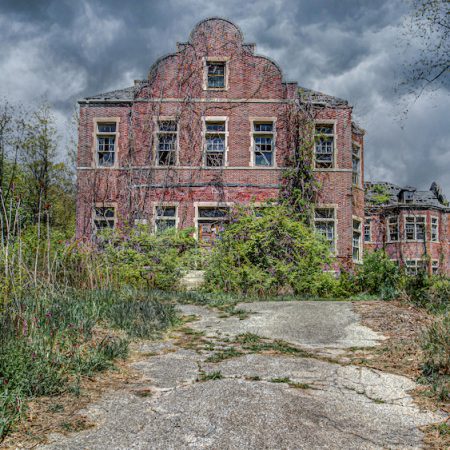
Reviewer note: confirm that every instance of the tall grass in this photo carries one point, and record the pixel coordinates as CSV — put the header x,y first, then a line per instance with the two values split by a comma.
x,y
50,338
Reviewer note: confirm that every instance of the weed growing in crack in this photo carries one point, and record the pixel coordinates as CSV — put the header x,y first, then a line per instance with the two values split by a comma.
x,y
280,380
296,385
226,354
217,375
248,338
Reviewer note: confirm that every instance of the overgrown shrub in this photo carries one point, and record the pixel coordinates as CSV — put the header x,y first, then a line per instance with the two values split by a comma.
x,y
379,275
268,252
145,259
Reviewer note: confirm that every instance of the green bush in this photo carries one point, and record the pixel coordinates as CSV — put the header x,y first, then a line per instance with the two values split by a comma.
x,y
144,259
437,295
379,275
268,252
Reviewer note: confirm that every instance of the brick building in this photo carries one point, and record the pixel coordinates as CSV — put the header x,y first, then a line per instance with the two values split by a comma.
x,y
209,128
412,226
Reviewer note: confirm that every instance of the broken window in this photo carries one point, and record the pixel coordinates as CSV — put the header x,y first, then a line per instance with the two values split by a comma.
x,y
165,218
104,217
106,144
393,233
434,229
215,143
414,228
356,241
211,222
167,143
263,143
324,147
414,266
325,224
356,164
434,266
368,230
216,74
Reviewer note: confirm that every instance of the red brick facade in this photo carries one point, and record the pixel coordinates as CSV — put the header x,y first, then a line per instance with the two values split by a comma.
x,y
176,90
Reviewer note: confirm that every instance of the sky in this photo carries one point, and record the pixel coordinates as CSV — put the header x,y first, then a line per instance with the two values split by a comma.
x,y
63,50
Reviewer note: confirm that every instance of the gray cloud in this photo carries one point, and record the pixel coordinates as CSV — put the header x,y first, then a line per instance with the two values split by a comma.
x,y
354,49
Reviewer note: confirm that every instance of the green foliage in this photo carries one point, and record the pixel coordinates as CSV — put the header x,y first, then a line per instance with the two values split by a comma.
x,y
379,275
380,194
265,253
144,259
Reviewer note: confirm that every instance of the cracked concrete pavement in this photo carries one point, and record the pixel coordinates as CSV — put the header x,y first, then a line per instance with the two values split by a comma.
x,y
261,400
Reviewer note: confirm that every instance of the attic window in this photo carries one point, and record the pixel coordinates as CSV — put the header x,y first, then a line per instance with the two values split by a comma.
x,y
408,196
215,71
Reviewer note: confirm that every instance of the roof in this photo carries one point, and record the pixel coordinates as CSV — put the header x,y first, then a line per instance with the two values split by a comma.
x,y
383,194
126,94
321,98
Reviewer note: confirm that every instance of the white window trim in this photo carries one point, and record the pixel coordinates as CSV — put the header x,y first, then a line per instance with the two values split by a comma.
x,y
254,120
356,144
437,229
403,237
224,59
103,205
361,237
95,134
204,133
157,119
388,232
335,146
416,261
333,206
163,205
198,205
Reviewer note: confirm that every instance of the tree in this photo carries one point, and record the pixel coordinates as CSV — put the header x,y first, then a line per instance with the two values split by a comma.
x,y
429,25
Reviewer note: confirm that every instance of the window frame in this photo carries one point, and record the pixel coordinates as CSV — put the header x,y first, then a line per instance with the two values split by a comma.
x,y
157,217
200,205
434,224
216,59
435,267
94,218
253,133
359,158
368,222
415,217
334,156
156,134
388,228
334,220
207,119
360,239
96,134
415,266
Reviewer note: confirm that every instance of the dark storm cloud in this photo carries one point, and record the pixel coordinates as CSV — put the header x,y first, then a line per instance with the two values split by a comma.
x,y
354,49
